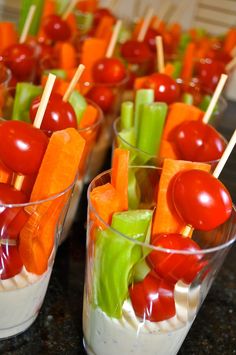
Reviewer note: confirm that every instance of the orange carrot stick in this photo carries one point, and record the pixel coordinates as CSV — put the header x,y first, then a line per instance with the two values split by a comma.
x,y
8,35
119,177
188,62
89,117
166,219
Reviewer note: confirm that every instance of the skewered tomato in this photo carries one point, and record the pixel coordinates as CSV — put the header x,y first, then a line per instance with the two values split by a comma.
x,y
135,52
103,96
22,146
200,199
58,115
109,71
197,141
56,28
175,266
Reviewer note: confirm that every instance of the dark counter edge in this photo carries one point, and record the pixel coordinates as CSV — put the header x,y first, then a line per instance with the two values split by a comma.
x,y
58,328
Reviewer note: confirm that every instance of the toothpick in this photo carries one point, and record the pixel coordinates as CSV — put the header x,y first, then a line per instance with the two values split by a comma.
x,y
145,25
225,155
69,9
160,54
38,119
27,24
73,82
229,66
233,52
113,39
215,98
161,14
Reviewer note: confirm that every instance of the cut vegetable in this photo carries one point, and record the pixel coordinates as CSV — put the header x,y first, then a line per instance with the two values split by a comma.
x,y
119,174
79,104
143,96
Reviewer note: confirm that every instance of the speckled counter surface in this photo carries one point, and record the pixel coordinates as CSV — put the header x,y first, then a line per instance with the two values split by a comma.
x,y
58,328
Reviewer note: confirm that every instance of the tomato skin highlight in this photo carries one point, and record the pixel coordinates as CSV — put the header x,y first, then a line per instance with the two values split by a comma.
x,y
174,267
165,88
200,199
22,146
109,71
58,115
153,298
197,141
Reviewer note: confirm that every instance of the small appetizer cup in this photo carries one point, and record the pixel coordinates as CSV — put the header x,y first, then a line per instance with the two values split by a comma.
x,y
140,297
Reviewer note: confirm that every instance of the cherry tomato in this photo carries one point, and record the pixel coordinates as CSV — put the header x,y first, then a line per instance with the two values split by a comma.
x,y
174,267
200,199
136,52
153,298
12,219
197,141
103,96
56,28
165,88
22,146
58,115
150,38
20,59
99,14
209,72
10,261
109,71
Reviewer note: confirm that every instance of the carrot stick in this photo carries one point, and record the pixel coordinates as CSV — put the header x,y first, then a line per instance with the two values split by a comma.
x,y
66,55
119,177
166,219
8,35
104,29
188,62
89,117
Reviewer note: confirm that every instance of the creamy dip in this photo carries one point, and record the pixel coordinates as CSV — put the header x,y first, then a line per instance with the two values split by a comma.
x,y
21,298
131,335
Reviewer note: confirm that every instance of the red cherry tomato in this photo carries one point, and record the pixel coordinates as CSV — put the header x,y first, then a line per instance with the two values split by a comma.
x,y
197,141
200,199
103,96
174,267
10,261
165,88
20,59
22,146
150,38
56,28
153,298
136,52
58,115
99,14
12,219
109,71
209,72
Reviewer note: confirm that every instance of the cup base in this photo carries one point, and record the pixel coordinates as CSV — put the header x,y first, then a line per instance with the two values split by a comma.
x,y
13,331
87,348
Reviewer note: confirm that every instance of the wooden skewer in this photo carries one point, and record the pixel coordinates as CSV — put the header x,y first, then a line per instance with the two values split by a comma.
x,y
231,65
38,118
215,98
69,9
27,24
218,169
145,25
160,55
73,82
233,52
113,40
162,13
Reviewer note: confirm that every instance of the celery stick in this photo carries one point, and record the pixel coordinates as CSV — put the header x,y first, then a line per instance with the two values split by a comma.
x,y
126,137
205,102
177,64
151,125
141,270
78,103
134,193
61,5
143,96
115,257
127,115
60,73
25,6
187,98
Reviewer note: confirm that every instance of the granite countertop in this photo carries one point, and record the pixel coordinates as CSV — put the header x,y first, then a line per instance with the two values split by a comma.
x,y
58,328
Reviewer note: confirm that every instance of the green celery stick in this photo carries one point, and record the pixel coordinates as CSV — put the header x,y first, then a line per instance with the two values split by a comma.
x,y
61,6
127,115
25,6
143,96
151,125
205,102
79,104
134,193
25,93
187,98
116,257
60,73
184,41
177,64
126,137
84,21
141,270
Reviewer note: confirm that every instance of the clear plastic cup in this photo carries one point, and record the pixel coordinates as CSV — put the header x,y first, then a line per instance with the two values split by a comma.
x,y
116,263
29,236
